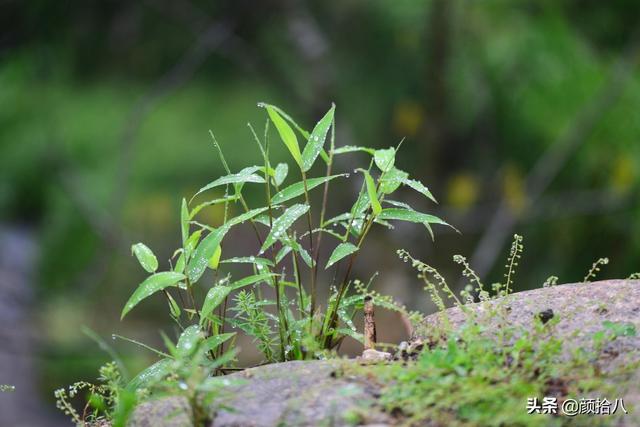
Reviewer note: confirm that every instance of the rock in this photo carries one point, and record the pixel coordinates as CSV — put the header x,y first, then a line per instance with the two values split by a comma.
x,y
370,355
292,394
310,393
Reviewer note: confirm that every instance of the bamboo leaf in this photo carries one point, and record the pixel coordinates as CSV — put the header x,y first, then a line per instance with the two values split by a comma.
x,y
316,140
420,188
297,189
352,149
188,340
250,280
373,196
145,256
203,205
153,373
280,173
385,159
213,342
207,247
341,251
410,216
214,298
248,260
303,132
244,176
282,224
214,261
184,220
151,285
391,180
286,134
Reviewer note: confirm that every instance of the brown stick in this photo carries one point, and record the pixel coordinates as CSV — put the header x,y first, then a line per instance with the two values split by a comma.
x,y
369,325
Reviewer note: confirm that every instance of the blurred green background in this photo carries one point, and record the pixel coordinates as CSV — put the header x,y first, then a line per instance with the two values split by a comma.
x,y
520,116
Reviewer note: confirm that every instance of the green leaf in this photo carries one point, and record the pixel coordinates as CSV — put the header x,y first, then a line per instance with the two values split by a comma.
x,y
353,148
192,242
173,307
184,220
242,177
419,187
293,245
297,189
282,224
373,196
188,340
620,329
316,140
153,373
214,298
151,285
385,159
390,181
410,216
214,261
250,280
341,251
248,260
145,256
213,342
303,132
208,245
286,134
280,173
203,205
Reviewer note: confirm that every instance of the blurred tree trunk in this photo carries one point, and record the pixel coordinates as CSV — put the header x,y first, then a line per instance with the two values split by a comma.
x,y
18,257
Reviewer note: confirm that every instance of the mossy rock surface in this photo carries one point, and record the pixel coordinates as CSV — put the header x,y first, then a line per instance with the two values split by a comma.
x,y
316,394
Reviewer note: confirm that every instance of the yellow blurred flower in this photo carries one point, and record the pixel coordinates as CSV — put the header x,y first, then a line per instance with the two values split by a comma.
x,y
462,190
623,175
408,117
513,188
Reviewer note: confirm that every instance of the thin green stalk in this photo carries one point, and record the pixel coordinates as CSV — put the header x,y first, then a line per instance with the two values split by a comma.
x,y
314,266
282,322
325,197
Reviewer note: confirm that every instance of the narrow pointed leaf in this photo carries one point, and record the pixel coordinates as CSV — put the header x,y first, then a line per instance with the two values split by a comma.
x,y
207,247
213,202
214,261
373,196
420,188
286,134
213,342
385,159
410,216
282,224
316,140
152,374
184,220
297,189
151,285
248,260
303,132
214,298
392,179
352,149
341,251
145,256
280,173
250,280
242,177
188,340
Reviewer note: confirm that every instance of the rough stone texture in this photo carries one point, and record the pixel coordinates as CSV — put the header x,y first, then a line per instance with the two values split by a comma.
x,y
292,393
307,394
